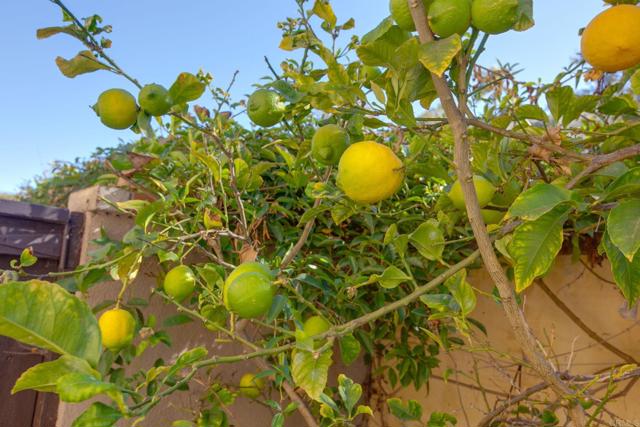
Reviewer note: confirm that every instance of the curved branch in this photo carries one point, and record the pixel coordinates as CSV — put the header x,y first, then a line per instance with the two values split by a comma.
x,y
603,160
522,332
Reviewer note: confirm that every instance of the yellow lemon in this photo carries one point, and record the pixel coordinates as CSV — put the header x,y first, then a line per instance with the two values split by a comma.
x,y
117,109
611,41
250,386
117,327
369,172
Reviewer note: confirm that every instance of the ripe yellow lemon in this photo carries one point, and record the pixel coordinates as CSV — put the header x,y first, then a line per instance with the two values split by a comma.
x,y
484,189
401,13
611,41
154,99
315,325
265,108
179,282
448,17
117,327
494,16
249,295
117,109
250,386
328,144
369,172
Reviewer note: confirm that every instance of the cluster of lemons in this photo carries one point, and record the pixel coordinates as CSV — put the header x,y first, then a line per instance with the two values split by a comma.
x,y
117,108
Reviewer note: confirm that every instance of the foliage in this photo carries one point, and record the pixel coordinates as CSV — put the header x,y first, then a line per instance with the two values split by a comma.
x,y
391,277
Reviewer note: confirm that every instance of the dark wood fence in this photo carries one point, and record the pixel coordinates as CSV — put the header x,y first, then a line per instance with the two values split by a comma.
x,y
55,235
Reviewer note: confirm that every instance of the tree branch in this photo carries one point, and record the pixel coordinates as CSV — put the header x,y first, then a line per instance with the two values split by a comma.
x,y
603,160
522,332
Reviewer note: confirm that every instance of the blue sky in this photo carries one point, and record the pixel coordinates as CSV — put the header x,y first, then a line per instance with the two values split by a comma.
x,y
46,116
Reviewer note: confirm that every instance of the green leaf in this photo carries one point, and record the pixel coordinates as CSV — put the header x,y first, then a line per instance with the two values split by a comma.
x,y
392,277
84,62
379,31
531,112
187,87
538,200
27,259
535,245
379,52
412,411
349,349
626,184
72,30
322,9
623,226
428,239
78,387
278,420
626,274
441,419
525,16
559,100
635,82
45,315
462,292
350,392
436,56
98,415
44,376
310,371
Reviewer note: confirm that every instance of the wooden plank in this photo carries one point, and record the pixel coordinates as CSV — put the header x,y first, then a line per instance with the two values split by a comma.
x,y
19,233
34,212
74,247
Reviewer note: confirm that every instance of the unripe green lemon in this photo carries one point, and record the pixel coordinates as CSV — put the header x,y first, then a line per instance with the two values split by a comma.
x,y
484,189
492,216
249,295
245,267
117,109
494,16
401,13
328,144
250,386
369,172
265,108
179,282
154,99
117,327
448,17
315,325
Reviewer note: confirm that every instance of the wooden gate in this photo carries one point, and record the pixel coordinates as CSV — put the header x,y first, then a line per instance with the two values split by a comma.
x,y
55,235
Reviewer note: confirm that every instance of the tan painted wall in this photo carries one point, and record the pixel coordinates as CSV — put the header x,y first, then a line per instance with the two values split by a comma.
x,y
596,302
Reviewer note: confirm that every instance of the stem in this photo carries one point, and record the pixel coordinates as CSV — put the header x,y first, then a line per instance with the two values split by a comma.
x,y
521,329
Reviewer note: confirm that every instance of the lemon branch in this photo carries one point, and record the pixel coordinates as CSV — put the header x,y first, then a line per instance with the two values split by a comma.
x,y
519,325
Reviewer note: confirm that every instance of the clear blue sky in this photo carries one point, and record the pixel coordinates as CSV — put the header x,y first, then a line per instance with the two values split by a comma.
x,y
45,116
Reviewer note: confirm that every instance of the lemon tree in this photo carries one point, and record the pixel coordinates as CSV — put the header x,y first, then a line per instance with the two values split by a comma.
x,y
344,215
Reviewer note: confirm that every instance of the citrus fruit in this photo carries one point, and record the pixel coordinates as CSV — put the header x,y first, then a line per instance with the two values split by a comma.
x,y
265,108
328,144
492,216
117,327
494,16
369,172
117,109
179,282
315,325
401,13
247,267
484,189
154,99
217,316
249,295
611,41
448,17
250,386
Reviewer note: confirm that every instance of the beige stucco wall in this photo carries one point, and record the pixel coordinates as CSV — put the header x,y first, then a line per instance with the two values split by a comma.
x,y
596,302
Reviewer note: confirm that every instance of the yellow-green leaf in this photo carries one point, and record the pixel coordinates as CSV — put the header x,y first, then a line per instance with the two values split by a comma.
x,y
437,55
84,62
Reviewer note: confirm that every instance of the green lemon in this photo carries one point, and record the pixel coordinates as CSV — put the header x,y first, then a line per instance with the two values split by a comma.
x,y
245,267
328,144
494,16
154,99
401,13
117,109
484,189
249,295
492,216
250,386
179,282
265,108
448,17
315,325
117,328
